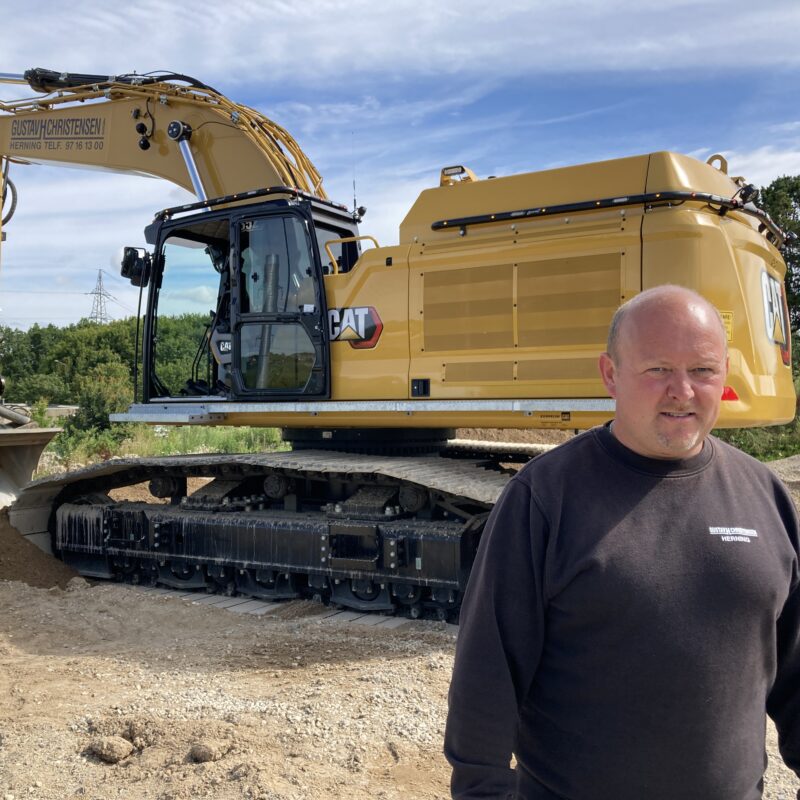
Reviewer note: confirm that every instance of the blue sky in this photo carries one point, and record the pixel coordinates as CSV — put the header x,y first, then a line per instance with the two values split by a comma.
x,y
392,92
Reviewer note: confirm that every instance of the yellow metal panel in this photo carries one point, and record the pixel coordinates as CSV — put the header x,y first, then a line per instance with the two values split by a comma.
x,y
479,371
512,297
568,300
676,172
557,369
549,187
724,260
380,373
468,309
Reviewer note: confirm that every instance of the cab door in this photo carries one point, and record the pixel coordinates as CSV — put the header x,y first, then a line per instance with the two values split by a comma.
x,y
280,344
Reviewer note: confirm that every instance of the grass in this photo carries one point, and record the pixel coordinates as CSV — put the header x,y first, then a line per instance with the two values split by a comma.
x,y
73,448
765,444
166,441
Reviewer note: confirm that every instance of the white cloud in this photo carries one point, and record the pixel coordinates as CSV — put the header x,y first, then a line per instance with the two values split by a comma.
x,y
762,165
320,42
201,296
786,127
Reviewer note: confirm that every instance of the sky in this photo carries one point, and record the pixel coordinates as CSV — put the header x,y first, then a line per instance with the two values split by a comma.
x,y
388,93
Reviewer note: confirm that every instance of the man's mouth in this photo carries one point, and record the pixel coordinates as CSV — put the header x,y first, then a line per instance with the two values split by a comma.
x,y
678,414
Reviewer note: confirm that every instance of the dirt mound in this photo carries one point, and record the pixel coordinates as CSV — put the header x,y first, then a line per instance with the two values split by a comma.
x,y
20,560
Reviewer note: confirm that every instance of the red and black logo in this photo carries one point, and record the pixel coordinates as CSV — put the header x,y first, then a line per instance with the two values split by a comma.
x,y
360,326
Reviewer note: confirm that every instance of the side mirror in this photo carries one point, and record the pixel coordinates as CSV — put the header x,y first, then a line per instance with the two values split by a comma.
x,y
136,263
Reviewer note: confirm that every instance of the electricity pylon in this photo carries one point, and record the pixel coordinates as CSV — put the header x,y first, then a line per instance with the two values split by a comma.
x,y
99,313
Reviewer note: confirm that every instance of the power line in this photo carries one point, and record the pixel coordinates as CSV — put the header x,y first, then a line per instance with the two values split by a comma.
x,y
38,291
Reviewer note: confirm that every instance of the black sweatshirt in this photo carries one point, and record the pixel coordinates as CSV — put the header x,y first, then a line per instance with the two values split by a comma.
x,y
626,624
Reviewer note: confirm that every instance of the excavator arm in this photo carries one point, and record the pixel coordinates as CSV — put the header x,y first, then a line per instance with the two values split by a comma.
x,y
168,126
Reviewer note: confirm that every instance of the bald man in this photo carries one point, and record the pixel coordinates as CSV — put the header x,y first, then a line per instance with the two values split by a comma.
x,y
634,608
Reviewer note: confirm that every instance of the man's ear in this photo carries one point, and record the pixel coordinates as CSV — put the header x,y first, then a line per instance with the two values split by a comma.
x,y
608,373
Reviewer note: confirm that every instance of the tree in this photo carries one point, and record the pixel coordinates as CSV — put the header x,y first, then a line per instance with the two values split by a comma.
x,y
781,200
48,387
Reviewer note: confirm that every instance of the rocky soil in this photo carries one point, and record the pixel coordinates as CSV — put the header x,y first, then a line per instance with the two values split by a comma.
x,y
112,692
107,691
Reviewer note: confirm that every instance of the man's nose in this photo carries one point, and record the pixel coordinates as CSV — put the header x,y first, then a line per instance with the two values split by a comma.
x,y
680,385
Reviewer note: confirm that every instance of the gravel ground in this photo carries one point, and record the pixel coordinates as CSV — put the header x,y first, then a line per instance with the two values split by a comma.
x,y
107,691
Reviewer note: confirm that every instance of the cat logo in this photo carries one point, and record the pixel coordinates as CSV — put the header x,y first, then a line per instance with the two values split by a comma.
x,y
776,317
360,326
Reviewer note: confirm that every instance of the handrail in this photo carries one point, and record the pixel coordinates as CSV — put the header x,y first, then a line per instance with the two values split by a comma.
x,y
345,240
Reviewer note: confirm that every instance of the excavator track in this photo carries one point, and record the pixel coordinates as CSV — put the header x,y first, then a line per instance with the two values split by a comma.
x,y
391,534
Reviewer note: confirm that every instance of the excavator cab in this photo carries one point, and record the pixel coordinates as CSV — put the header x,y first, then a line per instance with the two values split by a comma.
x,y
258,269
276,307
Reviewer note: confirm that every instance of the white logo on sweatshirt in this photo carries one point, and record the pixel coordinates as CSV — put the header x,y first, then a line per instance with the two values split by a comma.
x,y
734,534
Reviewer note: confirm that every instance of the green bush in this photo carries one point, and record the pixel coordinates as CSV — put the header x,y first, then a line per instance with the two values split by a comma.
x,y
32,388
165,441
765,444
38,414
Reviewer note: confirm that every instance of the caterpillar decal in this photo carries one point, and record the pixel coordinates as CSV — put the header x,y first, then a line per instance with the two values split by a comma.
x,y
776,314
360,326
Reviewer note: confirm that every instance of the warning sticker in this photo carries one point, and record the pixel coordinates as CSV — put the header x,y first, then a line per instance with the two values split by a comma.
x,y
727,321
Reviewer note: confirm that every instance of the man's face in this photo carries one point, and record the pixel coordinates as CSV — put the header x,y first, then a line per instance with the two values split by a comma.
x,y
667,378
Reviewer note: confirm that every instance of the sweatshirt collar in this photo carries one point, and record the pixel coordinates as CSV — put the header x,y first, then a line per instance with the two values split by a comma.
x,y
662,467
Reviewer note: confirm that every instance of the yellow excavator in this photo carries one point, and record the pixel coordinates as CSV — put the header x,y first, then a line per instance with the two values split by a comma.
x,y
490,312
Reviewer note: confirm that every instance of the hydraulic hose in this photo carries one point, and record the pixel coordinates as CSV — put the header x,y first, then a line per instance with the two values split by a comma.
x,y
8,184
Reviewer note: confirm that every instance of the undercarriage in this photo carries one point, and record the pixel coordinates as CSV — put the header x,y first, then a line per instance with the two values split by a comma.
x,y
389,534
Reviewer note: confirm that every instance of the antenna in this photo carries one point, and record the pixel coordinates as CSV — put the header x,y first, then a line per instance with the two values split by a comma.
x,y
353,162
358,211
99,294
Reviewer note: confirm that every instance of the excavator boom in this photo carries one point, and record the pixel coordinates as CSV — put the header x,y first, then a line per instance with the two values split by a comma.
x,y
132,124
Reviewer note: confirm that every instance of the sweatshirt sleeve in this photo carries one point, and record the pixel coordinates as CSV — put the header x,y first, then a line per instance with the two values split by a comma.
x,y
499,645
783,704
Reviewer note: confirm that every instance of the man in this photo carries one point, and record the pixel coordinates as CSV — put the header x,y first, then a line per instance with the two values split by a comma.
x,y
634,607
